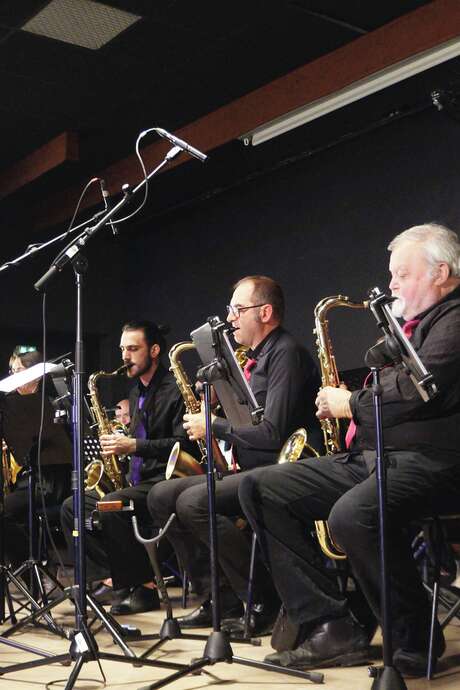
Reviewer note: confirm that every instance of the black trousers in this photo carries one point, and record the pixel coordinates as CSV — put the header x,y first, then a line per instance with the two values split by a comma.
x,y
189,533
113,550
55,484
283,501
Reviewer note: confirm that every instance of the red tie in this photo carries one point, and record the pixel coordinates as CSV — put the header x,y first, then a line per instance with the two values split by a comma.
x,y
408,329
410,326
248,367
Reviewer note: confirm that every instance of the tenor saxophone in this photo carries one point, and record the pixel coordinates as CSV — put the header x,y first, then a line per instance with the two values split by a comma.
x,y
330,377
181,463
104,474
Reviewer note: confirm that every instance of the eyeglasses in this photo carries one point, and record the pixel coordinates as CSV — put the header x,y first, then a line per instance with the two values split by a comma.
x,y
236,310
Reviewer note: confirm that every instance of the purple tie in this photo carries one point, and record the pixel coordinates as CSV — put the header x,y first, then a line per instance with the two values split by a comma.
x,y
139,432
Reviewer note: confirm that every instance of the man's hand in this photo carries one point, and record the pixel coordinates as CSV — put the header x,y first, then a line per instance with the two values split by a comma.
x,y
117,444
333,403
195,425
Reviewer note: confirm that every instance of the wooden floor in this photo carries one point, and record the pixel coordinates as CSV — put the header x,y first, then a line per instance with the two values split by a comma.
x,y
235,676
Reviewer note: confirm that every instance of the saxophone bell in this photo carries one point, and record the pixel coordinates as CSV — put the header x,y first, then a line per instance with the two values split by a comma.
x,y
182,464
295,446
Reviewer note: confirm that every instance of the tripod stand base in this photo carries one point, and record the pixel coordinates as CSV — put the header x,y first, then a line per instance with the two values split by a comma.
x,y
386,678
218,648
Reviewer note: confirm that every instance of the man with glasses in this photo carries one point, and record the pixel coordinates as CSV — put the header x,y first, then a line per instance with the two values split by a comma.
x,y
285,381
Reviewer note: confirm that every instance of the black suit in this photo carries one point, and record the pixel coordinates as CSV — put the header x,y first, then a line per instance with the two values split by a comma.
x,y
421,442
285,381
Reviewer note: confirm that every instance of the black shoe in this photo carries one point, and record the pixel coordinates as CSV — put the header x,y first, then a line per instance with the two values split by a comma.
x,y
202,616
415,663
339,642
104,594
261,622
139,600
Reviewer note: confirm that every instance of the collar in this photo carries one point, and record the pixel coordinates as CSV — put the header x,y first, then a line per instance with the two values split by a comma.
x,y
273,335
455,294
154,381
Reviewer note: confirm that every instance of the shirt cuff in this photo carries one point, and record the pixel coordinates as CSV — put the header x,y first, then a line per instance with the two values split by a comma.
x,y
221,428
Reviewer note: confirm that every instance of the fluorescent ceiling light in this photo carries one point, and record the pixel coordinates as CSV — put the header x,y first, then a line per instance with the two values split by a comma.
x,y
83,23
359,89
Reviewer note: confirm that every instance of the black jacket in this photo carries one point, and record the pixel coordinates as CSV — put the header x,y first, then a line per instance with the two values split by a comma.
x,y
432,427
162,415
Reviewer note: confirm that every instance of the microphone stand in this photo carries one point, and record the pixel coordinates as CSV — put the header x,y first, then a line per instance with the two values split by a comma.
x,y
83,647
396,348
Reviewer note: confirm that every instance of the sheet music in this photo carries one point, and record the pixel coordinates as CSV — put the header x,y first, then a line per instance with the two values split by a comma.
x,y
11,383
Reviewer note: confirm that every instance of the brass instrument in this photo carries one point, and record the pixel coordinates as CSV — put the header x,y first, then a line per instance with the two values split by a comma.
x,y
329,377
104,474
294,446
10,469
180,463
241,354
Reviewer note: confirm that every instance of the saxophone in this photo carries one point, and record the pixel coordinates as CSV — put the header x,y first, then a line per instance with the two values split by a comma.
x,y
10,469
329,377
181,463
104,475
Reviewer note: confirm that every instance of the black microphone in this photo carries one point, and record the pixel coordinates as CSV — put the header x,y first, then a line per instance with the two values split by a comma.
x,y
181,144
108,204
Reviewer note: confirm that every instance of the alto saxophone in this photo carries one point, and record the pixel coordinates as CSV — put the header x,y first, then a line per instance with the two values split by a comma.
x,y
329,377
181,463
104,475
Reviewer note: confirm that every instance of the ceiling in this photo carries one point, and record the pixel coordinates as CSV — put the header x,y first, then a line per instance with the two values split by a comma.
x,y
178,64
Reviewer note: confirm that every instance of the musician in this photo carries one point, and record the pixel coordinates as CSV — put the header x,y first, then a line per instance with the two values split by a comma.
x,y
156,410
122,412
284,380
53,480
423,461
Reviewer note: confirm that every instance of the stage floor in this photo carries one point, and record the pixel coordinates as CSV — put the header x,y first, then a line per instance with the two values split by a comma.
x,y
235,676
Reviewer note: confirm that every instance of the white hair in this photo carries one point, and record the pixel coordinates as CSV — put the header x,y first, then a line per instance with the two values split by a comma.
x,y
439,244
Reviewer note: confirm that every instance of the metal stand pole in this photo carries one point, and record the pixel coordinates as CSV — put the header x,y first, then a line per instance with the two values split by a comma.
x,y
386,677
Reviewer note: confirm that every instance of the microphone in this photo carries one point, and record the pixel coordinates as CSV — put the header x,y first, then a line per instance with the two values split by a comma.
x,y
181,144
108,204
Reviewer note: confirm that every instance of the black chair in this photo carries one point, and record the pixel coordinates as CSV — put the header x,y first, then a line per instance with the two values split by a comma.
x,y
431,552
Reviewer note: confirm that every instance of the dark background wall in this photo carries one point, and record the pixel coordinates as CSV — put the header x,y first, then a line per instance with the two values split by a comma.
x,y
317,222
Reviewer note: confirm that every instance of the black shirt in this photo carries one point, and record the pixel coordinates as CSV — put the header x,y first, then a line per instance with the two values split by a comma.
x,y
285,382
432,427
161,415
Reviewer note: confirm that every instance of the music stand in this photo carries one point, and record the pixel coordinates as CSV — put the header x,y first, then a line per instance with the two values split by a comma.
x,y
22,417
221,369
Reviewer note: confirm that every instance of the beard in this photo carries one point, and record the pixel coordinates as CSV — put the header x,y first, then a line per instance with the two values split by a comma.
x,y
398,307
144,367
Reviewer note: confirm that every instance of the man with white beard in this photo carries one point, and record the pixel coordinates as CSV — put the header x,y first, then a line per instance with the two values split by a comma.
x,y
423,476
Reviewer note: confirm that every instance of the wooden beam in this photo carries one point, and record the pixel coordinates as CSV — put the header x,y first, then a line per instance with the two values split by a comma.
x,y
413,33
57,151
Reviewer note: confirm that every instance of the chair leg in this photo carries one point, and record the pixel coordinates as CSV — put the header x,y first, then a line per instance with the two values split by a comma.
x,y
434,615
185,583
247,612
434,607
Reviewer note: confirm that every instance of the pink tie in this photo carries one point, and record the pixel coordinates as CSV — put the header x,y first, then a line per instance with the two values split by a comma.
x,y
410,326
248,367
